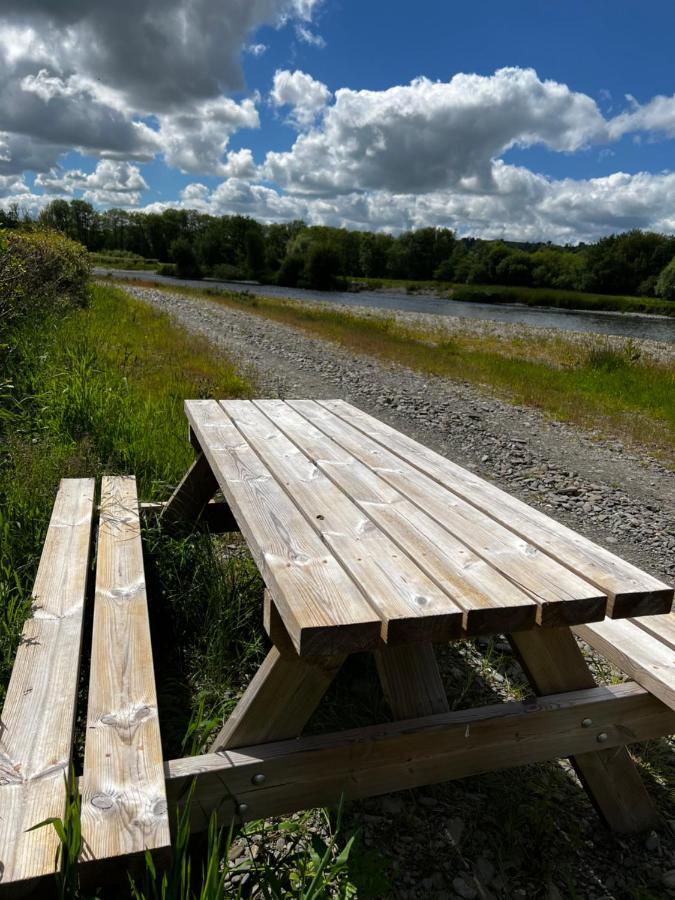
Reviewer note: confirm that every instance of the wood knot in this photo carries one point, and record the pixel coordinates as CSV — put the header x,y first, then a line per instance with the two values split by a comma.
x,y
102,801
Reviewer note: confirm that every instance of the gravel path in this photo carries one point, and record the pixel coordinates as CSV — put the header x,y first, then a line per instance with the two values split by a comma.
x,y
622,500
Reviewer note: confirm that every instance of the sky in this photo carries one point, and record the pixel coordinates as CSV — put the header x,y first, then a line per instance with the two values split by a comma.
x,y
529,120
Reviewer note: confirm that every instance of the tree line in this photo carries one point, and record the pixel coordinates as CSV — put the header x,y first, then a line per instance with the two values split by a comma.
x,y
194,244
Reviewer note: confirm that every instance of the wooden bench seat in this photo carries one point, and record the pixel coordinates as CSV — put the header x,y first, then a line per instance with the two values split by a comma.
x,y
36,728
643,648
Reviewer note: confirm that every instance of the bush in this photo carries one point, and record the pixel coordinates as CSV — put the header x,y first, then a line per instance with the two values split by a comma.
x,y
321,267
40,272
167,269
227,272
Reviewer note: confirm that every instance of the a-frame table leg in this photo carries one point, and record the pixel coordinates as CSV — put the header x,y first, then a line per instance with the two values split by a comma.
x,y
192,494
282,695
411,681
554,663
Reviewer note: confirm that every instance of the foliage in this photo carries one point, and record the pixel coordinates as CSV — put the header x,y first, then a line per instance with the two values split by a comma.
x,y
665,286
184,258
39,271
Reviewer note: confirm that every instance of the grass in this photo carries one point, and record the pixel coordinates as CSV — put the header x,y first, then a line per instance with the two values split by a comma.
x,y
121,259
527,296
595,384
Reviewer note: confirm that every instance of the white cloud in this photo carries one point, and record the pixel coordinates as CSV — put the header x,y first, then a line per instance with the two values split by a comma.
x,y
306,96
256,49
307,36
112,183
196,140
88,75
656,116
430,135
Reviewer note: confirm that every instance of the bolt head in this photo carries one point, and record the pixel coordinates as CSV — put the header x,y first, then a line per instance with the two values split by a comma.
x,y
586,723
258,779
602,737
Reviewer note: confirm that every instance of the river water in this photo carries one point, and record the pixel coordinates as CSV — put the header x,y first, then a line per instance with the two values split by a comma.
x,y
628,325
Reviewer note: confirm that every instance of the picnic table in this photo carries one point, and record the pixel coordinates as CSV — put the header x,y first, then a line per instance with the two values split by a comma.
x,y
367,541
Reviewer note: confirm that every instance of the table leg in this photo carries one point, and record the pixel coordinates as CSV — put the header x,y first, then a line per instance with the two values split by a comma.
x,y
554,663
281,696
411,681
192,494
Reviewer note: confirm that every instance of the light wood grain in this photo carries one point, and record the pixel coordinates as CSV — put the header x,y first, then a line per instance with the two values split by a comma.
x,y
411,681
562,597
630,590
124,809
409,604
660,627
639,654
490,603
196,488
311,590
553,662
316,771
36,728
279,700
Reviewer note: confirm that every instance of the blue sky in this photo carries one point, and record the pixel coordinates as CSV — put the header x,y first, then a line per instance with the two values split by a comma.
x,y
315,109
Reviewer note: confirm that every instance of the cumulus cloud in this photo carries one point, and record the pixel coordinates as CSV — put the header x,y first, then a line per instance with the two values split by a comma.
x,y
657,116
428,135
91,75
306,96
112,183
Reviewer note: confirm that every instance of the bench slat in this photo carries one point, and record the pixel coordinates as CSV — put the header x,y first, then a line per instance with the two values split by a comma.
x,y
123,794
631,591
563,598
490,602
36,730
641,656
312,592
660,627
410,605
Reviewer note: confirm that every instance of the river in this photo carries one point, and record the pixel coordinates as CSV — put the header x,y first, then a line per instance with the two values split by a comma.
x,y
628,325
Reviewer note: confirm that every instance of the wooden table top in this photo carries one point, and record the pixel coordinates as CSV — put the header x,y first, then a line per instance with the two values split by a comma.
x,y
364,535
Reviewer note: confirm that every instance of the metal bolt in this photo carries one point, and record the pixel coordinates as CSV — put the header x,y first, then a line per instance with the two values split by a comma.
x,y
242,808
258,779
586,723
602,737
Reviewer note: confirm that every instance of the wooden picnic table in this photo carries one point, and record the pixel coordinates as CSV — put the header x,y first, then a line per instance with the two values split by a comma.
x,y
368,540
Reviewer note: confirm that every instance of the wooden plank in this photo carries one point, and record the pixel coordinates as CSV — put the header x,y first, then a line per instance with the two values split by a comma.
x,y
38,716
409,604
660,627
279,700
490,602
196,488
411,681
277,778
630,590
553,662
562,596
124,809
323,610
639,654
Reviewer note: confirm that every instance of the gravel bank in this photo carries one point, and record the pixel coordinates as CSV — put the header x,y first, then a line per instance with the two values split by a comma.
x,y
619,498
477,838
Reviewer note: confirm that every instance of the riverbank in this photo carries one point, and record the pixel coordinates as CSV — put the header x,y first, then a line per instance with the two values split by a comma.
x,y
615,390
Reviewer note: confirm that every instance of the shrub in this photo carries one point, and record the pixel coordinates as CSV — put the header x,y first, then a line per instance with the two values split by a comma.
x,y
321,267
40,272
167,269
227,272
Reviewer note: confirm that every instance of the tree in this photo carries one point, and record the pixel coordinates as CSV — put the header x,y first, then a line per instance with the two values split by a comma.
x,y
321,265
185,259
665,285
